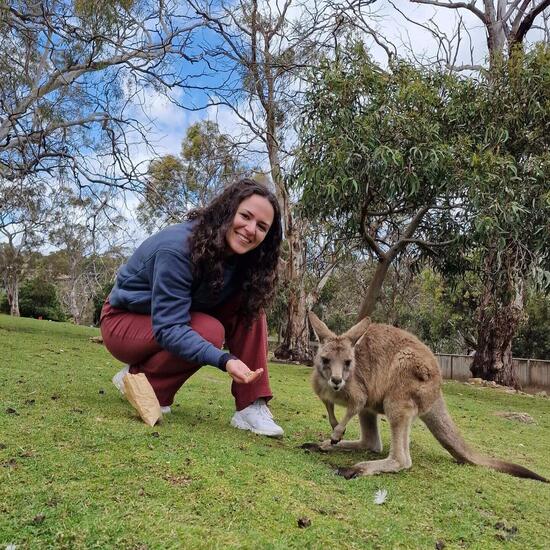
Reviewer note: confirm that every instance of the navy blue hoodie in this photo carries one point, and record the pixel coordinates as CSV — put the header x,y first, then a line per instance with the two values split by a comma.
x,y
158,280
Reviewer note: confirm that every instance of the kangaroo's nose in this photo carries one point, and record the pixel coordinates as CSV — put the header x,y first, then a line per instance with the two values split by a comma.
x,y
336,380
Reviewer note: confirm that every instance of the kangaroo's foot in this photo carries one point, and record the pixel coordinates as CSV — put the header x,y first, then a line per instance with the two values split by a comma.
x,y
373,467
374,444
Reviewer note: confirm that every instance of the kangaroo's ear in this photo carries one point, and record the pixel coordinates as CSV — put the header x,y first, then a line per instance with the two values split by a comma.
x,y
320,329
356,331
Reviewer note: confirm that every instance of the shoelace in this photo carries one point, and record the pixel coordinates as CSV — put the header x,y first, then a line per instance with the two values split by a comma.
x,y
264,409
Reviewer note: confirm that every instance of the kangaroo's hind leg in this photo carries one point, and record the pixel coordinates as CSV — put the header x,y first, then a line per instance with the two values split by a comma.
x,y
370,434
400,417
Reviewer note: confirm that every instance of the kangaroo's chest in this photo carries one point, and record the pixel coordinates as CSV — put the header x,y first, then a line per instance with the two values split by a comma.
x,y
326,393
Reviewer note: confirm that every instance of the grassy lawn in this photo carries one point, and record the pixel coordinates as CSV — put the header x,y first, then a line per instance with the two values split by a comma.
x,y
79,470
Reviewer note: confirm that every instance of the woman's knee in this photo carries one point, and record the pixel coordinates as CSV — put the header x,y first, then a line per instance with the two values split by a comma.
x,y
208,327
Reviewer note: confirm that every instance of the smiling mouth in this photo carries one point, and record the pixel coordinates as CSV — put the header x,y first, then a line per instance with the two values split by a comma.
x,y
243,239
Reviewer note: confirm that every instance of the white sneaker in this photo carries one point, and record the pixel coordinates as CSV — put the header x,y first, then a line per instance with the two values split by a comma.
x,y
118,379
258,419
165,410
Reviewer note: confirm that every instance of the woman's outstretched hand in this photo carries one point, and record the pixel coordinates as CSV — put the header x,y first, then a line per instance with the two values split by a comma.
x,y
241,373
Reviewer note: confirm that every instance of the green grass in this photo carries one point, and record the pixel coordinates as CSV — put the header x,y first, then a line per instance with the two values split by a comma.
x,y
79,470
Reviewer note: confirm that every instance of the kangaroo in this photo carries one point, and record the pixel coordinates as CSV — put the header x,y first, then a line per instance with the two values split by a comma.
x,y
377,369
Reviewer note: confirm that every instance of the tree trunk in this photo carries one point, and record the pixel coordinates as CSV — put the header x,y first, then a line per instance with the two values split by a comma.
x,y
295,344
13,297
497,326
375,287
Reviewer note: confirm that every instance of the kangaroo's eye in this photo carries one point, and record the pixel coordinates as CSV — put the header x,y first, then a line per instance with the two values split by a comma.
x,y
325,361
347,362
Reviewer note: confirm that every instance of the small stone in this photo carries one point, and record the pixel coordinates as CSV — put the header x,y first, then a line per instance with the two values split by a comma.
x,y
541,394
11,410
475,381
304,522
439,545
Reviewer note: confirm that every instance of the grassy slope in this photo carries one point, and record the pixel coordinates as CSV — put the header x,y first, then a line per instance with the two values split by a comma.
x,y
78,470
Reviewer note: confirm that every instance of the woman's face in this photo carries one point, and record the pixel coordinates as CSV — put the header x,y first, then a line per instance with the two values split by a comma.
x,y
250,225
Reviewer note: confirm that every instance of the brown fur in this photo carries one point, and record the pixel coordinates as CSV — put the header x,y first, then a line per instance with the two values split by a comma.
x,y
379,369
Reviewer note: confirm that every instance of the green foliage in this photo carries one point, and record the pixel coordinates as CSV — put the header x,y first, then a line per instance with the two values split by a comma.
x,y
377,144
38,298
178,183
421,303
378,147
507,150
533,338
4,305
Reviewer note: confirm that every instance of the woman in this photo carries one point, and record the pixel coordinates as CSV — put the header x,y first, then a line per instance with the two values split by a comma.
x,y
193,286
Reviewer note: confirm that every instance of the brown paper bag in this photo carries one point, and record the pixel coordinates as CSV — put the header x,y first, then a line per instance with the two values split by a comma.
x,y
142,397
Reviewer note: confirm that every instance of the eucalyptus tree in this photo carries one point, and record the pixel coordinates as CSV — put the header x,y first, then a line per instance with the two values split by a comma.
x,y
507,119
25,216
177,183
511,28
259,50
412,158
377,159
86,235
506,24
71,76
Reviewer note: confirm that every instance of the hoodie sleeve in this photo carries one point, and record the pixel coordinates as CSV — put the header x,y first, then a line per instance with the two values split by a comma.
x,y
170,311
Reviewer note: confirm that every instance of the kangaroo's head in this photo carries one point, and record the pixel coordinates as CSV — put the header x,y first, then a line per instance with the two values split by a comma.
x,y
335,359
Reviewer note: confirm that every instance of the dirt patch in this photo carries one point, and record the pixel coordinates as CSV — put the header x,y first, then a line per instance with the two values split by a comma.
x,y
178,480
518,416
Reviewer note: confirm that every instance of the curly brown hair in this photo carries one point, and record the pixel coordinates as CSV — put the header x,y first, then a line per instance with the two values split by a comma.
x,y
257,269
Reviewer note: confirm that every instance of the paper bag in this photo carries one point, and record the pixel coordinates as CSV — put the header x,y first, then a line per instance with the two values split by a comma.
x,y
142,397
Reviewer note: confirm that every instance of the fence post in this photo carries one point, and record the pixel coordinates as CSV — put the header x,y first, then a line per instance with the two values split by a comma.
x,y
528,383
452,368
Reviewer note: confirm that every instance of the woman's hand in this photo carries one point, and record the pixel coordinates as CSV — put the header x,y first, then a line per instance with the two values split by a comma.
x,y
241,373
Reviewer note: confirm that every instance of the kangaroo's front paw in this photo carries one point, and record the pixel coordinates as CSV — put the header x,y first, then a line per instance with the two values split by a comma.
x,y
337,434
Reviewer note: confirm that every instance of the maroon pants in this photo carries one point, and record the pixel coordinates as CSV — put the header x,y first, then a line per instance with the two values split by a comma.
x,y
129,337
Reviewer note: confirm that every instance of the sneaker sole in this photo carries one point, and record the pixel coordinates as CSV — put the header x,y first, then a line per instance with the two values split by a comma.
x,y
248,427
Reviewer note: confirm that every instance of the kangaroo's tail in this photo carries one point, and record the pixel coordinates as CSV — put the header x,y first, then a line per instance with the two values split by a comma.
x,y
443,428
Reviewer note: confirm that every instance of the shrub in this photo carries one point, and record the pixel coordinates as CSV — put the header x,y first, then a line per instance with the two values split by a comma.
x,y
38,298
